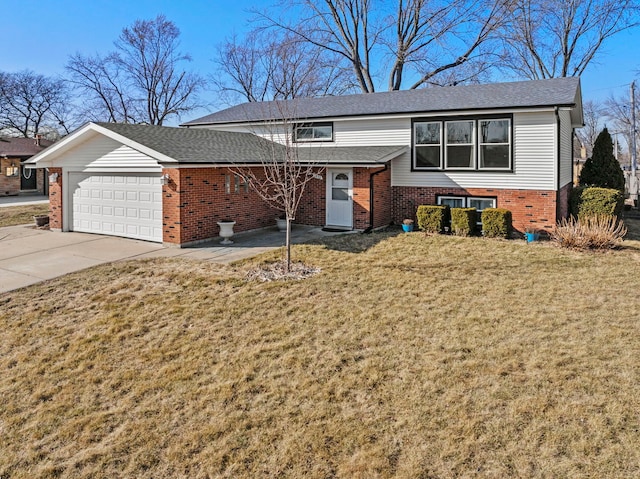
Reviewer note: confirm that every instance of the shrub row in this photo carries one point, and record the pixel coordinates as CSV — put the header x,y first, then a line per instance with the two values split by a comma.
x,y
496,222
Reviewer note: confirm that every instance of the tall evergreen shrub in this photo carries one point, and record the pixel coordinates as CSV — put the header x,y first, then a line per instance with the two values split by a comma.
x,y
602,169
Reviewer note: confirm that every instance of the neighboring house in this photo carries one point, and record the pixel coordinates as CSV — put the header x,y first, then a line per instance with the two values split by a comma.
x,y
505,145
15,179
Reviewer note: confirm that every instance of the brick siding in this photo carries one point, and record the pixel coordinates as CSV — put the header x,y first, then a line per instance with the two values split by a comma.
x,y
55,201
530,208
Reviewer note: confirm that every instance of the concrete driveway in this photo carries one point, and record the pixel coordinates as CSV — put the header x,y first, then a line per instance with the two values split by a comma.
x,y
29,255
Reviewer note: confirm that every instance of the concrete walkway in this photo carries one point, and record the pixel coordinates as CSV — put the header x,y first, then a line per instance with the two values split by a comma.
x,y
29,255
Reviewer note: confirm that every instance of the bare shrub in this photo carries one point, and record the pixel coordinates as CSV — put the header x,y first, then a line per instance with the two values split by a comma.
x,y
591,232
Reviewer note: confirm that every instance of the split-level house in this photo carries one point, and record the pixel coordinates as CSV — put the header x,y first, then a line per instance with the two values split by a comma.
x,y
378,155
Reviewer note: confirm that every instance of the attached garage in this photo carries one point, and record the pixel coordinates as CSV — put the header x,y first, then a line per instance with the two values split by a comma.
x,y
173,185
128,205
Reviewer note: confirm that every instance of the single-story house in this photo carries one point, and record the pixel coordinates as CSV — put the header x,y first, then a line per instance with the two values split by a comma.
x,y
379,156
15,179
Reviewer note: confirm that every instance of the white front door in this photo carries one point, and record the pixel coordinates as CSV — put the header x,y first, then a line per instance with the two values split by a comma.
x,y
340,198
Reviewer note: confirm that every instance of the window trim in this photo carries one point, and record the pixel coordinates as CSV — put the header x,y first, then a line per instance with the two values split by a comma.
x,y
466,199
298,126
476,119
445,153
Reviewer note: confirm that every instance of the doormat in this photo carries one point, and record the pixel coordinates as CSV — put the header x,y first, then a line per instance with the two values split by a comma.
x,y
334,230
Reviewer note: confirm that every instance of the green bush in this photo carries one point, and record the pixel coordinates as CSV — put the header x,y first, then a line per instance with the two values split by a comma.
x,y
496,223
593,201
602,169
463,221
432,219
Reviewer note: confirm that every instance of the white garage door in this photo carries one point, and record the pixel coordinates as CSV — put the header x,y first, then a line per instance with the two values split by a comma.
x,y
121,205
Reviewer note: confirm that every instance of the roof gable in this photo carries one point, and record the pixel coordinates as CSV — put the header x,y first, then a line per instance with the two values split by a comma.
x,y
527,94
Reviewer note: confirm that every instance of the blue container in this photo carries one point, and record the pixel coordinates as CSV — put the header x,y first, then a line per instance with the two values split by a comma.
x,y
531,237
407,228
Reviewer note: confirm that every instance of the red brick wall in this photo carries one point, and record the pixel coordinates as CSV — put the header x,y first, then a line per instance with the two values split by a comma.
x,y
312,207
55,201
382,199
530,208
195,200
362,198
9,185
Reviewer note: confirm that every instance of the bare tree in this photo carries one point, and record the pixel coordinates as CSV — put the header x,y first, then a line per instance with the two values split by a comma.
x,y
618,113
285,171
31,104
593,124
430,39
142,80
104,88
437,38
560,38
267,65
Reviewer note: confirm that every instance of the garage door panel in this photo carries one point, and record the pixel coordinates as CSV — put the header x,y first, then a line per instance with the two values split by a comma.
x,y
121,205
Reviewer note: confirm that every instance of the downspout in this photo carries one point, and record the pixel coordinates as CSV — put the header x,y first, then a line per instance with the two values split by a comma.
x,y
559,161
371,196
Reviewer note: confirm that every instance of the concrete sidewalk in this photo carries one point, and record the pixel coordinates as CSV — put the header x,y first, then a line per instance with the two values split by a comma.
x,y
29,255
6,201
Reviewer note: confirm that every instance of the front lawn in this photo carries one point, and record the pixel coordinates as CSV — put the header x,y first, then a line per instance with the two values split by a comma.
x,y
407,356
21,215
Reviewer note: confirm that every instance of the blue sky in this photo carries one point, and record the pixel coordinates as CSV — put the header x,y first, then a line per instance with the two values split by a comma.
x,y
40,35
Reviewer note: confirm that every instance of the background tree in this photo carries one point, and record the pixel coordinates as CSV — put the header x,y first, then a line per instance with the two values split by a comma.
x,y
560,38
32,104
268,65
618,113
593,114
142,81
425,41
602,169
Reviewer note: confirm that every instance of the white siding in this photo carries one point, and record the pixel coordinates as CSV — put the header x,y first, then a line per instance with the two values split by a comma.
x,y
383,132
367,132
102,154
566,150
534,161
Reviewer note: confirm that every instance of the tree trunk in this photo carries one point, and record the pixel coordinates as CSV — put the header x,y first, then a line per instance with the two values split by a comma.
x,y
288,244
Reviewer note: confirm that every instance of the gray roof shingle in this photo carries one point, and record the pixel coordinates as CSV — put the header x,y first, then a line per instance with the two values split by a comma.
x,y
524,94
203,146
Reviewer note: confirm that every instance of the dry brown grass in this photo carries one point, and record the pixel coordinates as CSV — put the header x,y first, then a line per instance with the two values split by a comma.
x,y
432,357
21,215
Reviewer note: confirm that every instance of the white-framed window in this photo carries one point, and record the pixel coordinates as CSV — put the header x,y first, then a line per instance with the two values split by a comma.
x,y
463,144
477,202
451,201
304,132
428,144
494,145
460,138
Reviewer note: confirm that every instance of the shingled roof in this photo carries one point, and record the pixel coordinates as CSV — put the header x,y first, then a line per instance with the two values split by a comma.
x,y
21,147
204,146
527,94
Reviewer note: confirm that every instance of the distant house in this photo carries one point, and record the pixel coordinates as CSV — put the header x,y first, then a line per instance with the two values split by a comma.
x,y
505,145
15,179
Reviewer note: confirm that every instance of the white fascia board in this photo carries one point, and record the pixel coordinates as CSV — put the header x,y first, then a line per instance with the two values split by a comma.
x,y
46,157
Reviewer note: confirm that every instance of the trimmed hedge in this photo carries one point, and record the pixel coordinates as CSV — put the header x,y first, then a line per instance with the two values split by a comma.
x,y
496,223
593,201
463,221
432,219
